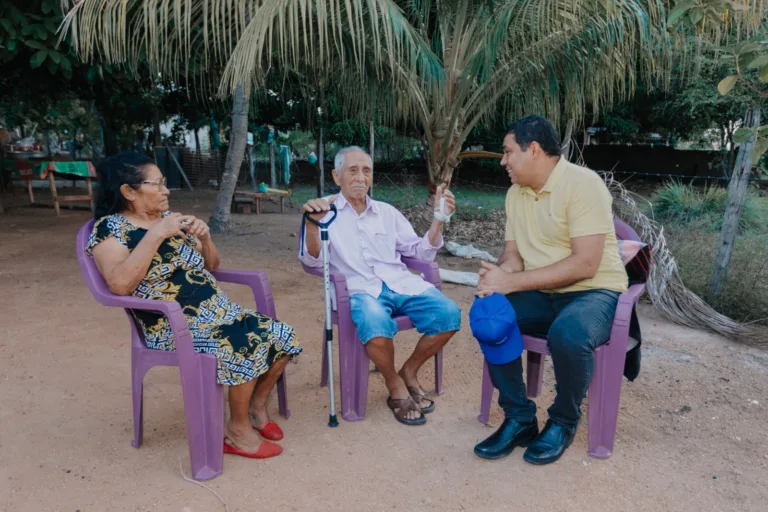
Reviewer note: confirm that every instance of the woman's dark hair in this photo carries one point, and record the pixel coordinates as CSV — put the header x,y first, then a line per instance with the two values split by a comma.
x,y
114,172
535,129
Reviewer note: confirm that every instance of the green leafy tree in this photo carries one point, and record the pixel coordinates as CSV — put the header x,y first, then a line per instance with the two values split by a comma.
x,y
46,83
708,17
691,109
747,59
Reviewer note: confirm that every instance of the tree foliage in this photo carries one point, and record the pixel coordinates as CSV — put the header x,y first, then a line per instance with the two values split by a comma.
x,y
747,55
45,82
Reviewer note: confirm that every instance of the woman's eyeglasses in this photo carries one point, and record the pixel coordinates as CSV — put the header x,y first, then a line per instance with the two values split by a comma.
x,y
159,182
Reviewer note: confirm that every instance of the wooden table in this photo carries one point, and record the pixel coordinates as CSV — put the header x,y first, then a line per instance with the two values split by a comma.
x,y
47,169
249,197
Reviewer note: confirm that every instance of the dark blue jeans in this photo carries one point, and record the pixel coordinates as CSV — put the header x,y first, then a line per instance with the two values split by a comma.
x,y
574,324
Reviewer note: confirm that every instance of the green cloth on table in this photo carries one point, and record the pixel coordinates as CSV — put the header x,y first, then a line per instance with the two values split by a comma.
x,y
81,169
40,170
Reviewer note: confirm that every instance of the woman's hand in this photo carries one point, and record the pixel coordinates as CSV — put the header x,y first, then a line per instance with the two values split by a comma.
x,y
170,225
197,228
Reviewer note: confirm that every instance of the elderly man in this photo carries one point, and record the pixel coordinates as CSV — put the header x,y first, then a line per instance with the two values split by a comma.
x,y
562,274
367,240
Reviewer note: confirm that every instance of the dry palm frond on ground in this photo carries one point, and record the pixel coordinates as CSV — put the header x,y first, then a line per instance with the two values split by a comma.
x,y
665,288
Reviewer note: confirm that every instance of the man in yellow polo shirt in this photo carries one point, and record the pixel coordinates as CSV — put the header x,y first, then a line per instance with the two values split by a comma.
x,y
562,274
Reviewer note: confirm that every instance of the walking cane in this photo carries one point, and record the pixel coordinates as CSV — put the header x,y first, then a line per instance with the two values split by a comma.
x,y
332,421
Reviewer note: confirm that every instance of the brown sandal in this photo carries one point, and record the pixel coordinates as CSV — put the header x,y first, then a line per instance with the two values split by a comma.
x,y
419,396
401,407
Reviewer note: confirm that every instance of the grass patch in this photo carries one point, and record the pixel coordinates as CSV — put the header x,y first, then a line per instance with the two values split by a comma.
x,y
745,296
471,203
401,197
678,204
692,219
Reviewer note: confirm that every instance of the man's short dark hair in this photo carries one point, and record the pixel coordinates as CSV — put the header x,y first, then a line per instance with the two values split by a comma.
x,y
535,129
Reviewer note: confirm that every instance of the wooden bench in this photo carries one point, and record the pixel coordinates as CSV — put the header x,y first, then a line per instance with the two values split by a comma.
x,y
57,199
243,200
26,172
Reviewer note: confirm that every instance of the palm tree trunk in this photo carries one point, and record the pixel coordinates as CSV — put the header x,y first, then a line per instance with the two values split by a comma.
x,y
219,222
737,191
442,163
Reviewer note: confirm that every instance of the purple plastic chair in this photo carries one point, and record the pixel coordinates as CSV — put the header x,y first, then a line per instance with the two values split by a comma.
x,y
353,359
605,388
203,396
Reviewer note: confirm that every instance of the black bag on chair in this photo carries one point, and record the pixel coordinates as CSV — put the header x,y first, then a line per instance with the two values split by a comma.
x,y
638,268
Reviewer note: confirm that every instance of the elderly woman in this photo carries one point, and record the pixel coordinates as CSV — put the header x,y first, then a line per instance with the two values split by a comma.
x,y
143,249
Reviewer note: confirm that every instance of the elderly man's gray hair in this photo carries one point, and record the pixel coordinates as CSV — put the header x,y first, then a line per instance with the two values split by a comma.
x,y
338,162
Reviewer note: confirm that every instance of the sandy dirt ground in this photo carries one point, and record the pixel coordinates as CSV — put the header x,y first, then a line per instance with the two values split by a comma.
x,y
692,430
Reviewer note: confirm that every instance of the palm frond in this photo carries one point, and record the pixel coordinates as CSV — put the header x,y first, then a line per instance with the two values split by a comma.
x,y
170,35
589,56
665,287
350,32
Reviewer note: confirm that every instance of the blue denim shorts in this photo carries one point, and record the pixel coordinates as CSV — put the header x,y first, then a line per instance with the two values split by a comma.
x,y
431,313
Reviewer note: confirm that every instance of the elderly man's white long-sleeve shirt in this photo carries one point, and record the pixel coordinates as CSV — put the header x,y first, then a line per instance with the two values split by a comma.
x,y
366,248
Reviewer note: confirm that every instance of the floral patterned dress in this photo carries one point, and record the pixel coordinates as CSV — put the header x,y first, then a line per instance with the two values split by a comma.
x,y
244,342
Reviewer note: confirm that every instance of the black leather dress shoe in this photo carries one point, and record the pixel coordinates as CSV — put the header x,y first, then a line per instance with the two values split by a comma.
x,y
510,434
550,444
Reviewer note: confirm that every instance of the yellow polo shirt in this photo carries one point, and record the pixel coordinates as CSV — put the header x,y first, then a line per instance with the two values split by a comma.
x,y
574,202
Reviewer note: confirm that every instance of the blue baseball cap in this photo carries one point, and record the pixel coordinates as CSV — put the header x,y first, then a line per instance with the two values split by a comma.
x,y
494,323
